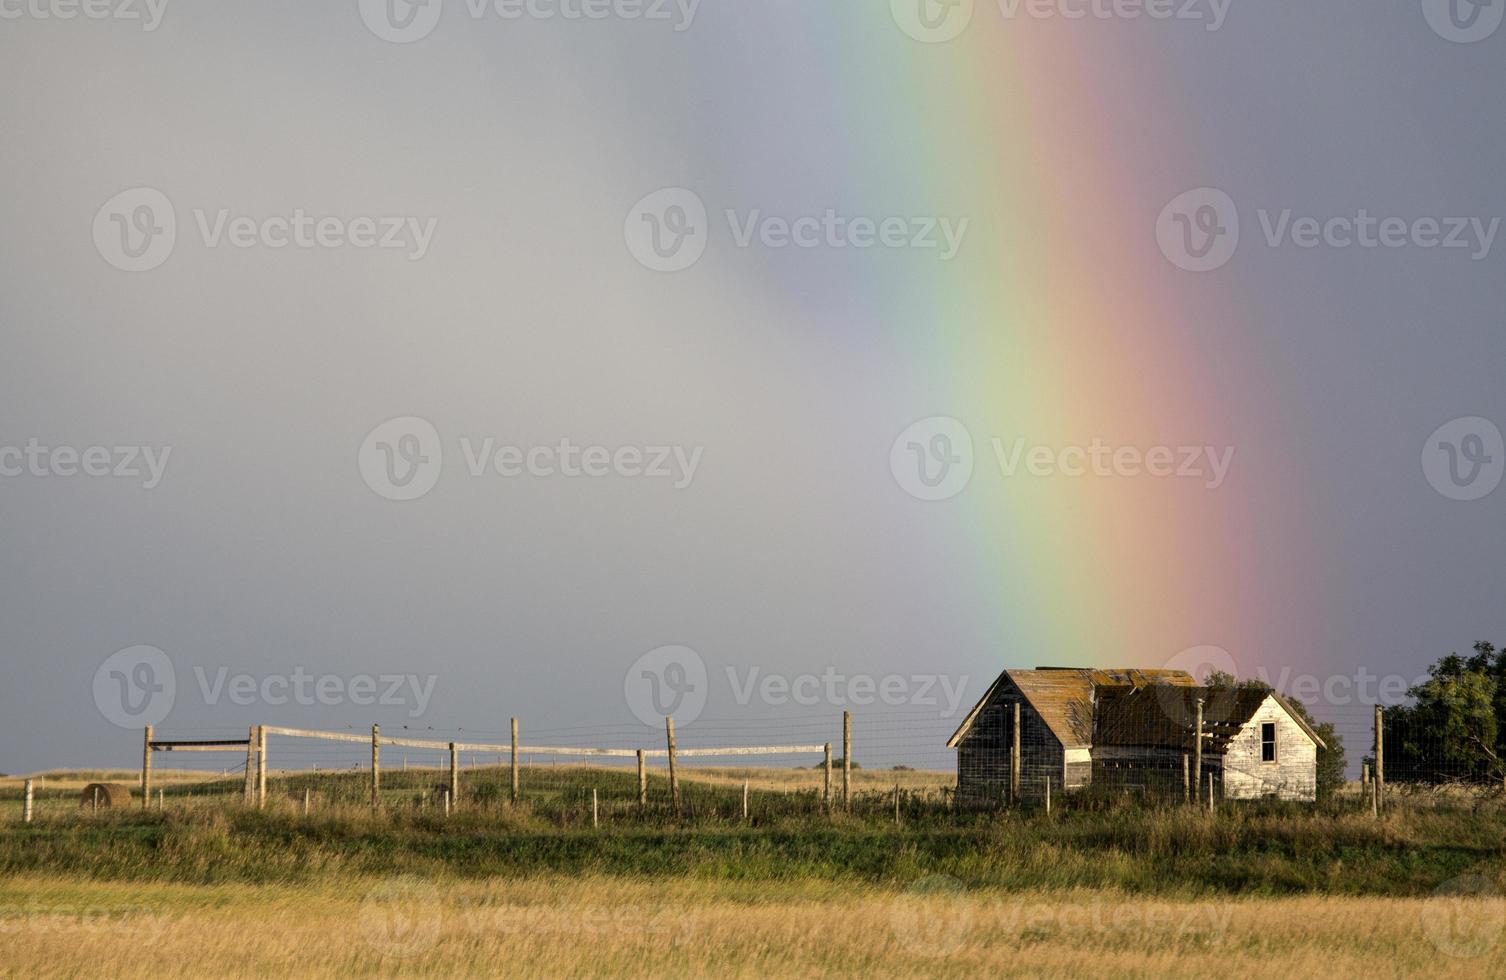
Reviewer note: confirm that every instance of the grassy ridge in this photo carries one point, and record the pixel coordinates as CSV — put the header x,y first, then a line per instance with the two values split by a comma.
x,y
205,836
1167,852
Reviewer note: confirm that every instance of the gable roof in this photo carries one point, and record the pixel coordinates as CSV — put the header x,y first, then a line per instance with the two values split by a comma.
x,y
1063,696
1165,717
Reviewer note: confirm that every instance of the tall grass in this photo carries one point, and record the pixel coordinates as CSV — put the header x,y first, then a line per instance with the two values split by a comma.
x,y
1249,849
610,927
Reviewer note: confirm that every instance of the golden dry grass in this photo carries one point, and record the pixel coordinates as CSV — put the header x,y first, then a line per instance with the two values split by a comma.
x,y
554,926
77,779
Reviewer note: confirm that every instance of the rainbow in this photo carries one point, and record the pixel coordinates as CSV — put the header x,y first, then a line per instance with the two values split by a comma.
x,y
1060,322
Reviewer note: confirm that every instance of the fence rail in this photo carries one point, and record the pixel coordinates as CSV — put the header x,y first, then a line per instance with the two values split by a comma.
x,y
256,749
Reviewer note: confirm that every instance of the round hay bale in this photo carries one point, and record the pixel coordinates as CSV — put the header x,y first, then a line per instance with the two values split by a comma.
x,y
106,795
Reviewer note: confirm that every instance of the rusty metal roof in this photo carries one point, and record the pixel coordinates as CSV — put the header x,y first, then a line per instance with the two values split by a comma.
x,y
1165,717
1063,696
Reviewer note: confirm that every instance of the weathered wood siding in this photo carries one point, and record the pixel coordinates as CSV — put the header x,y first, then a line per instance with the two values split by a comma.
x,y
1293,776
983,755
1151,771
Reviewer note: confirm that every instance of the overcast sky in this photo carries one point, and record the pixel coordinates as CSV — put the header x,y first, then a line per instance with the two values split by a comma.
x,y
491,273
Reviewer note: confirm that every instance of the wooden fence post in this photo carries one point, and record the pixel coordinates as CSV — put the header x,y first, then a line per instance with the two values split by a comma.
x,y
1048,796
1186,783
515,783
674,777
146,770
261,766
376,770
642,781
826,792
161,799
1197,753
26,803
1380,761
251,765
1014,759
1210,791
594,815
847,761
447,798
745,800
306,794
454,774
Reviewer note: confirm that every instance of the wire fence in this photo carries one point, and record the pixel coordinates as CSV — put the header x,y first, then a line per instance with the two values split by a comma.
x,y
899,757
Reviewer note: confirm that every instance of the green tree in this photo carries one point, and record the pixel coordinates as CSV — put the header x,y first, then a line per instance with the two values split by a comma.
x,y
1451,730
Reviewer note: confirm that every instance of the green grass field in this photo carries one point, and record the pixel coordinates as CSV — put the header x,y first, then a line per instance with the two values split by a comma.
x,y
208,885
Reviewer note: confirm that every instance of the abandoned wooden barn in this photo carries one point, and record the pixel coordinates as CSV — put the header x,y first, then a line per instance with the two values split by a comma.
x,y
1129,730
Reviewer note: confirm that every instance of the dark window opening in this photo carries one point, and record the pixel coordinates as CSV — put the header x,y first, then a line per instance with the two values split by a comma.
x,y
1268,742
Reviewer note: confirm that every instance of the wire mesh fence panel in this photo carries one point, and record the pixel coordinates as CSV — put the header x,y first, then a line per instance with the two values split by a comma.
x,y
776,766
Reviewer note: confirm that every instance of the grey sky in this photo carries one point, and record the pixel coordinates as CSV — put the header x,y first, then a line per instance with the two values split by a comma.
x,y
791,550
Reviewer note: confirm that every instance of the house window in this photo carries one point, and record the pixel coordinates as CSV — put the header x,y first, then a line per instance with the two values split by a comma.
x,y
1268,742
